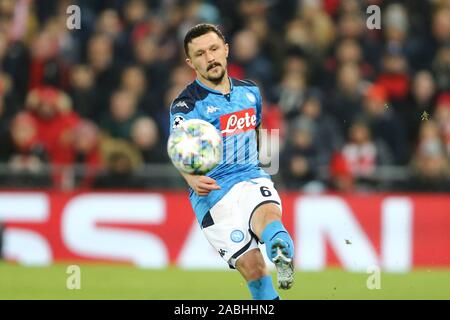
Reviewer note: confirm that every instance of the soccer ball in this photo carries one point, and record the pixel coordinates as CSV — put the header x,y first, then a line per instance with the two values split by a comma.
x,y
195,146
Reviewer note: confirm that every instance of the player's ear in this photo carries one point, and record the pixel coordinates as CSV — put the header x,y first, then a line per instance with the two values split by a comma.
x,y
227,49
189,63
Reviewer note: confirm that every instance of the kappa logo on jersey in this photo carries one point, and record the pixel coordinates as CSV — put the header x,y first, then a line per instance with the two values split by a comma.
x,y
182,107
238,122
177,121
181,104
211,109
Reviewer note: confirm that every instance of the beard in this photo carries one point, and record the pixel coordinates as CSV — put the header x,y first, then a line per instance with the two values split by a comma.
x,y
217,78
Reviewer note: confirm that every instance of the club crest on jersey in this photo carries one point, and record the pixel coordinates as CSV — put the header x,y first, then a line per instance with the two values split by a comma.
x,y
211,109
251,97
238,122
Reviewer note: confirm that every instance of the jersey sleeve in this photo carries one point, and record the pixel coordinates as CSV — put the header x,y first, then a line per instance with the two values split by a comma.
x,y
181,109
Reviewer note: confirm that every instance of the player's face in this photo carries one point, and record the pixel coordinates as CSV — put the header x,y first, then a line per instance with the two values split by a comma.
x,y
208,57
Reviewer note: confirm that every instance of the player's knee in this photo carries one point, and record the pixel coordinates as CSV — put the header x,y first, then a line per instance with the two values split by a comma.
x,y
252,268
257,273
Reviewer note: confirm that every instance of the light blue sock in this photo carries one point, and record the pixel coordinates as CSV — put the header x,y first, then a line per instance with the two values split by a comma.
x,y
262,289
273,231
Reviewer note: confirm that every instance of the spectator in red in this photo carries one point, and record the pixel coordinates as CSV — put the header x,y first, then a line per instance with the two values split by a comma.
x,y
55,120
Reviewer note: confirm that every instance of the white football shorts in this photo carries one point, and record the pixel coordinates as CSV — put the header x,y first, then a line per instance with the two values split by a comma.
x,y
227,224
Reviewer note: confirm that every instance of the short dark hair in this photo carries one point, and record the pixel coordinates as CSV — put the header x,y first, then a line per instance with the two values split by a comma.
x,y
199,30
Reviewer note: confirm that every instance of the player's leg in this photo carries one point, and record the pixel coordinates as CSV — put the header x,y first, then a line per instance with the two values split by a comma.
x,y
267,225
252,267
228,232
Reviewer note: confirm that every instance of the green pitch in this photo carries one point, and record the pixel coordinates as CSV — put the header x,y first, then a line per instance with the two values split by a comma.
x,y
126,282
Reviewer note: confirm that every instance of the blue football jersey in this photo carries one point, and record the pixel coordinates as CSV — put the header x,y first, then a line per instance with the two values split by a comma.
x,y
235,116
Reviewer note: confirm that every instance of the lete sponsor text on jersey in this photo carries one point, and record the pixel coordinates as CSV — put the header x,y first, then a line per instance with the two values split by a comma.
x,y
238,122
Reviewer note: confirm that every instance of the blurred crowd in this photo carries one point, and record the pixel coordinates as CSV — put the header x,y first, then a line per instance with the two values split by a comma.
x,y
348,100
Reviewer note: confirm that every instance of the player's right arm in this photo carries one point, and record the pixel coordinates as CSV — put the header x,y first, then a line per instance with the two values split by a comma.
x,y
183,109
202,185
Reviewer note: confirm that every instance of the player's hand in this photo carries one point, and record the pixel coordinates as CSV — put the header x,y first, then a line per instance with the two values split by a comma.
x,y
202,185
